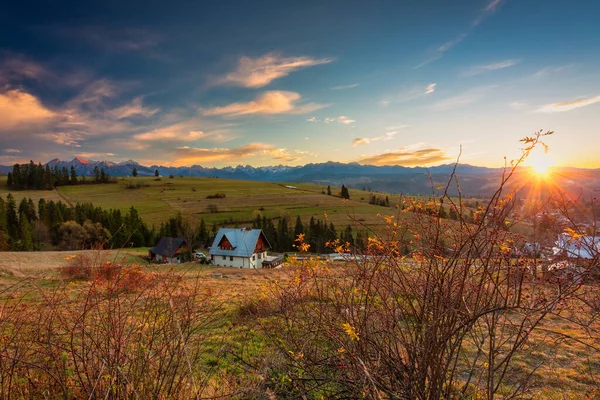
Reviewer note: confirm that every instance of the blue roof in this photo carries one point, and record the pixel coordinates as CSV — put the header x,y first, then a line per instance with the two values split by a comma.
x,y
243,241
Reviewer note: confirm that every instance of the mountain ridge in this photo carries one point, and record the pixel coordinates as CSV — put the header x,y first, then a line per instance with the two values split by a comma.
x,y
474,180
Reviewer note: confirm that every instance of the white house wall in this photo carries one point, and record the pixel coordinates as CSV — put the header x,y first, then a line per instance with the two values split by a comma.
x,y
240,262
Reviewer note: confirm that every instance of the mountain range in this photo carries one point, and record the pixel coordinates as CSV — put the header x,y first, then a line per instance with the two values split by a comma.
x,y
474,180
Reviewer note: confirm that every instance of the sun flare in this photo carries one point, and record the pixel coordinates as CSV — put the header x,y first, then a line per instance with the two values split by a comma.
x,y
540,164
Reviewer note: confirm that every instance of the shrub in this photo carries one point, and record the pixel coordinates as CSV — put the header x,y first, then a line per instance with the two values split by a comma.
x,y
216,196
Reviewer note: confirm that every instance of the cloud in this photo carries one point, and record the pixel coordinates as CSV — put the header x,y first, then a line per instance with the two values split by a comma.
x,y
270,102
189,155
463,99
342,119
548,71
312,120
359,141
489,9
343,87
385,136
411,93
19,110
16,68
518,105
169,134
95,156
568,105
407,156
12,151
259,72
281,155
132,109
71,139
439,52
479,69
116,40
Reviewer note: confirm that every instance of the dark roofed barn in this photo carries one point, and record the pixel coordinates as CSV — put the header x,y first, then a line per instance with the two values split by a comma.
x,y
170,250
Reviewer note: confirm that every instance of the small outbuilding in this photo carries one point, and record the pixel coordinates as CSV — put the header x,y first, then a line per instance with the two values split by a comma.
x,y
169,250
239,248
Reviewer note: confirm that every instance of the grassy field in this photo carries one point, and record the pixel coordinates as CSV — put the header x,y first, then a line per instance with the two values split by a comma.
x,y
157,200
568,370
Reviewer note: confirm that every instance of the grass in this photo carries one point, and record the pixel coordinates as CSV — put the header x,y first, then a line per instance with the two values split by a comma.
x,y
157,200
232,340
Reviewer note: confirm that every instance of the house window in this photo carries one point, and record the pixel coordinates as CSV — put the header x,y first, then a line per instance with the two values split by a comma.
x,y
253,257
230,258
224,257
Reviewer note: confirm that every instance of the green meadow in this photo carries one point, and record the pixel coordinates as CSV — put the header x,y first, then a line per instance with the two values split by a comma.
x,y
157,199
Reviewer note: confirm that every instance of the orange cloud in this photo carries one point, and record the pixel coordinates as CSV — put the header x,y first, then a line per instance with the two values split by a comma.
x,y
19,109
271,102
407,157
259,72
134,108
190,155
568,105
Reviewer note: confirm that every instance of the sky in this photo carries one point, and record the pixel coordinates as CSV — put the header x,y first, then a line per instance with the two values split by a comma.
x,y
404,82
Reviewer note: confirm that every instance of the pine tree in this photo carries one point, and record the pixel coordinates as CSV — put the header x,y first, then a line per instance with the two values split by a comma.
x,y
299,228
329,190
134,172
12,221
73,176
345,193
156,173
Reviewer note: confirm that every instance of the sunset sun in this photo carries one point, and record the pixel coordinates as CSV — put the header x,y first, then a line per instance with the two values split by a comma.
x,y
540,164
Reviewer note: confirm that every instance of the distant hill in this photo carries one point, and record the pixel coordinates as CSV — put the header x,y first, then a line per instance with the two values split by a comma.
x,y
474,180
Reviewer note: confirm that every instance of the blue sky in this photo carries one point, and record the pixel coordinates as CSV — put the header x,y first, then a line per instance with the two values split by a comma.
x,y
268,83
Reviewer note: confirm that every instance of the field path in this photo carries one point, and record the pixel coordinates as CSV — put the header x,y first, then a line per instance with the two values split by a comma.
x,y
63,198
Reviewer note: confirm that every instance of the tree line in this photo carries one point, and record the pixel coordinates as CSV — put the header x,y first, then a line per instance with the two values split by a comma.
x,y
27,226
34,176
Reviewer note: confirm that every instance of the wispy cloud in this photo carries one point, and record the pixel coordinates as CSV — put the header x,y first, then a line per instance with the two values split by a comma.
x,y
15,68
132,109
271,102
568,105
190,155
12,151
463,99
344,87
366,140
547,71
487,11
259,72
518,105
70,139
116,40
480,69
411,93
439,51
407,156
342,119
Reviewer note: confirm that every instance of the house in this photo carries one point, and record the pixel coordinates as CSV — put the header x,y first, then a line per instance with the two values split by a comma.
x,y
169,250
582,247
239,248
